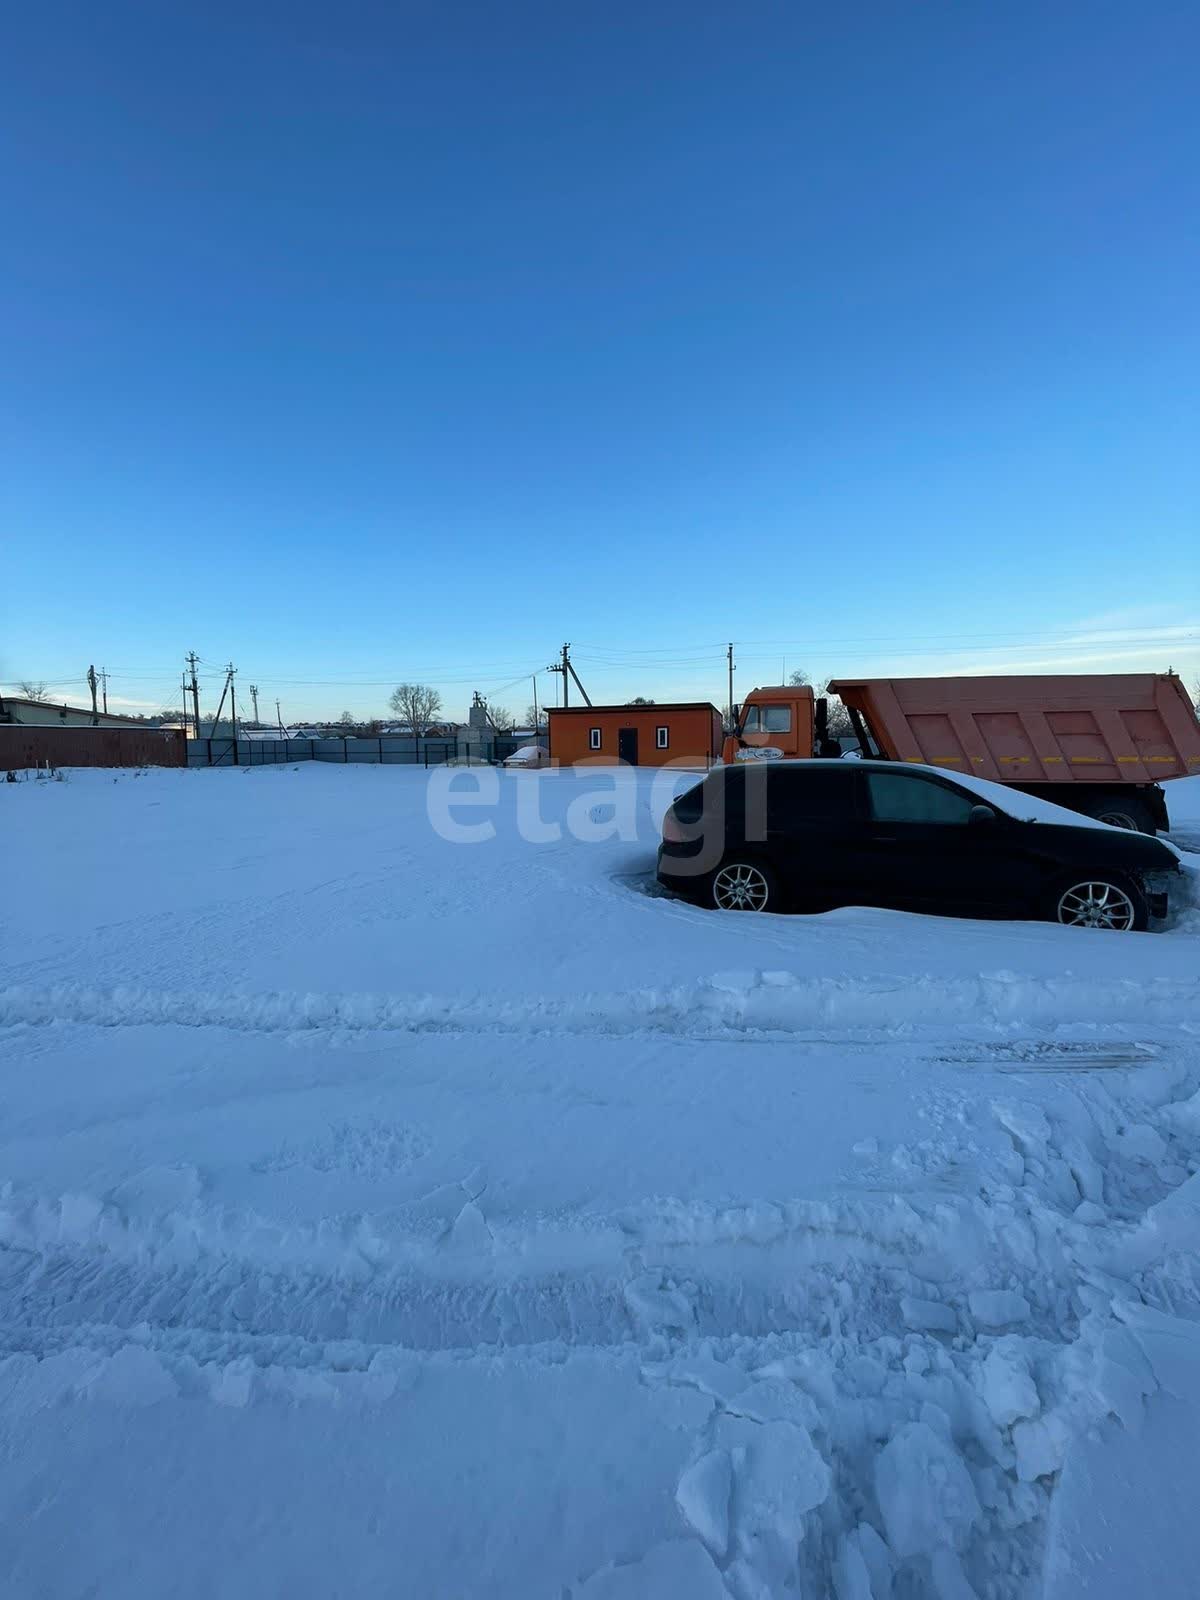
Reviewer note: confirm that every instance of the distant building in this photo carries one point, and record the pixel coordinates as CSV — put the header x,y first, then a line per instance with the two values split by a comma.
x,y
45,714
636,736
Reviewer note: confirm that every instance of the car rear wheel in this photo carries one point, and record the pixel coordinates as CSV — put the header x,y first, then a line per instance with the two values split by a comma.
x,y
745,886
1100,902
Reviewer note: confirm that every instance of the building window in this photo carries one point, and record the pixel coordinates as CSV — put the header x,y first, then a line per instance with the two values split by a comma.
x,y
594,738
661,738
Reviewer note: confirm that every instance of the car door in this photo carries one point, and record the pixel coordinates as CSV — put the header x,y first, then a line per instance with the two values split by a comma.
x,y
810,826
919,849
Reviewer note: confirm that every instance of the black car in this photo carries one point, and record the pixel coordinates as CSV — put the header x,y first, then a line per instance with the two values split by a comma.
x,y
808,835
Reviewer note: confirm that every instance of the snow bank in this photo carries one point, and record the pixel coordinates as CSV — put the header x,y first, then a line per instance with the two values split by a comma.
x,y
725,1002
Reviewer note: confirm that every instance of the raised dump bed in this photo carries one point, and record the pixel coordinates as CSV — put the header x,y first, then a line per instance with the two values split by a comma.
x,y
1101,743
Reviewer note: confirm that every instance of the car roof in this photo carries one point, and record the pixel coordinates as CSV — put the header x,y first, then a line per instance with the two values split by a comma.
x,y
850,763
844,763
1006,798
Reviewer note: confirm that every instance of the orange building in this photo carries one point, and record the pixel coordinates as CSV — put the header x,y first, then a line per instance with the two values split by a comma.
x,y
640,736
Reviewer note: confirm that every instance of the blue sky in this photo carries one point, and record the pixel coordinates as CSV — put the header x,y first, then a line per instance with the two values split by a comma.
x,y
389,341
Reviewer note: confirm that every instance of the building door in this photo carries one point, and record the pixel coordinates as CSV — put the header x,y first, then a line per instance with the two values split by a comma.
x,y
627,745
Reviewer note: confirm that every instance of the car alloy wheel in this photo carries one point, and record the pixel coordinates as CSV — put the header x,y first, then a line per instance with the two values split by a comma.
x,y
741,887
1096,905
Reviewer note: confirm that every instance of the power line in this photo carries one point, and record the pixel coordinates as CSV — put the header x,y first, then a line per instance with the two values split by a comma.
x,y
1183,632
811,648
1032,644
1164,635
617,658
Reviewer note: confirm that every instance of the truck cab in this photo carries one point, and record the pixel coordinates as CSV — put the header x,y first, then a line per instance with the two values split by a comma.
x,y
777,721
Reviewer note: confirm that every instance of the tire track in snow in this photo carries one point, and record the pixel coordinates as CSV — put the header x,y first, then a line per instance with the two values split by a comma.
x,y
661,1268
724,1002
851,1348
436,1274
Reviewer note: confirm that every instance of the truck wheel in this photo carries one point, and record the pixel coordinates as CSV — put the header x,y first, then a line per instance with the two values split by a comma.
x,y
1121,811
745,886
1098,900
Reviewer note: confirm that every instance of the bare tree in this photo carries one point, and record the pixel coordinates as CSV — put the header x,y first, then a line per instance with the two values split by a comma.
x,y
799,678
346,722
415,705
639,700
503,721
535,717
33,691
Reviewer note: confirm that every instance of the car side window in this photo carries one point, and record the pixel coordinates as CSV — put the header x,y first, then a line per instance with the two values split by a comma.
x,y
906,797
750,720
800,795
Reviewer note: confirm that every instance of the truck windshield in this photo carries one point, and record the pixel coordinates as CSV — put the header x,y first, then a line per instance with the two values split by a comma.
x,y
767,719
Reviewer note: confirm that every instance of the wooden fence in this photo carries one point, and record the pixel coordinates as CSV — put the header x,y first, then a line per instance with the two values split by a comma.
x,y
32,745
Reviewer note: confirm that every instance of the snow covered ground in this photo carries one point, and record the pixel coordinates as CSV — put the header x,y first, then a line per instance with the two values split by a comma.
x,y
384,1214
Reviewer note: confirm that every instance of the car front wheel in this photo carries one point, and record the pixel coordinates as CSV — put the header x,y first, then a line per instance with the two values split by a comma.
x,y
745,886
1098,901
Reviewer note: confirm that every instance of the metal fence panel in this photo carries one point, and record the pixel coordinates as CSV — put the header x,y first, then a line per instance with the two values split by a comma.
x,y
388,750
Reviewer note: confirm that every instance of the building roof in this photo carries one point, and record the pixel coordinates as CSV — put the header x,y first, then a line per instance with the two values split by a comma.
x,y
660,705
49,712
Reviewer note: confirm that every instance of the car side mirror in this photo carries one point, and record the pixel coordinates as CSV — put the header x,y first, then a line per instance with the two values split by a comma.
x,y
981,814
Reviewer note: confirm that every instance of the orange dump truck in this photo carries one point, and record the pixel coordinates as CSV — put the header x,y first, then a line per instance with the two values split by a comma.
x,y
1102,745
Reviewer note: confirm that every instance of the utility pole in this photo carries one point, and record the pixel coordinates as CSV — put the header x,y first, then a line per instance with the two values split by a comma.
x,y
183,684
104,688
558,668
729,658
191,661
535,715
567,672
91,678
231,670
254,698
279,718
587,699
220,703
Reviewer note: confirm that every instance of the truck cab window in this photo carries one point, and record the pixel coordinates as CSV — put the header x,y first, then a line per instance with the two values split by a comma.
x,y
767,719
